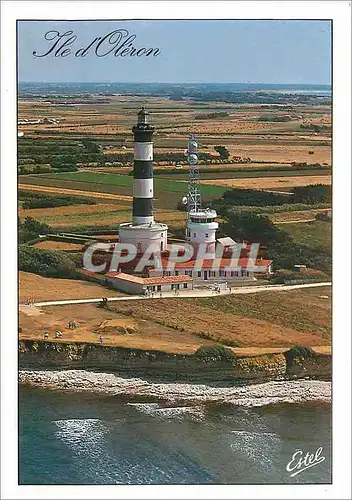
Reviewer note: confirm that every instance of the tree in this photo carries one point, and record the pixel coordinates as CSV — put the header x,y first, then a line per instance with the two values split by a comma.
x,y
91,146
315,193
223,152
246,226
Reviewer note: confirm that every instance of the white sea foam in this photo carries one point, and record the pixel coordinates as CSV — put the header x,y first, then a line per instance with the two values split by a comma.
x,y
291,391
155,410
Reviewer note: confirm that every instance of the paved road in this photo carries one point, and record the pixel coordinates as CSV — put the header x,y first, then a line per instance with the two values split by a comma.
x,y
184,294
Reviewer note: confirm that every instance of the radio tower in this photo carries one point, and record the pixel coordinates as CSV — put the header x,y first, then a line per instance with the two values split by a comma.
x,y
201,222
194,198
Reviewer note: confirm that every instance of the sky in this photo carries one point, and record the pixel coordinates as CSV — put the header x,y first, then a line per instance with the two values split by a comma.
x,y
297,52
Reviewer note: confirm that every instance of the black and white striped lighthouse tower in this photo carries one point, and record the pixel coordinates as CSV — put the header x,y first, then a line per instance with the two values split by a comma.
x,y
143,185
143,230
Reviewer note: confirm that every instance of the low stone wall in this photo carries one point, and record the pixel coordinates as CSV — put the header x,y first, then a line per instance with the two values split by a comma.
x,y
171,367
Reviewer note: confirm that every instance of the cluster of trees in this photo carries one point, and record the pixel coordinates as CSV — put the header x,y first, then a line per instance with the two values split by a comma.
x,y
210,116
306,195
274,118
317,193
247,197
280,246
46,262
57,155
29,199
245,224
30,229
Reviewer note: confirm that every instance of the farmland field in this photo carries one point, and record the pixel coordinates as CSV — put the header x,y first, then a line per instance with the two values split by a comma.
x,y
126,181
39,186
88,152
270,182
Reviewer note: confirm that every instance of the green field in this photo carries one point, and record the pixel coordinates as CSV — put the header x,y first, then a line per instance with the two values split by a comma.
x,y
315,234
99,178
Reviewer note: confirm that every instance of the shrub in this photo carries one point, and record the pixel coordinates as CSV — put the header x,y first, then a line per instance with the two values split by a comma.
x,y
39,200
300,351
46,263
215,351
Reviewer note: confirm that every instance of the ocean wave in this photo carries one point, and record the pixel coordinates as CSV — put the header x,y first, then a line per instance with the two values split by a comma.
x,y
291,391
155,410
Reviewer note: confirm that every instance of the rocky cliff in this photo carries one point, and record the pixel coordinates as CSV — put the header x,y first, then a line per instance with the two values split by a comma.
x,y
172,367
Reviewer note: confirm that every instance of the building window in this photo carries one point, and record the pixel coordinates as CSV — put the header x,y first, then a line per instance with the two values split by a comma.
x,y
199,274
222,273
176,273
167,273
207,235
189,273
194,235
159,288
185,285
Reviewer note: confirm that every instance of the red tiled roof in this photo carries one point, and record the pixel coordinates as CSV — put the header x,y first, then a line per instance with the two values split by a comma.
x,y
157,280
243,262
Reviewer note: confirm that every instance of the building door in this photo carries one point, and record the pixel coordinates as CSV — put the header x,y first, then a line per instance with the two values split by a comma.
x,y
205,275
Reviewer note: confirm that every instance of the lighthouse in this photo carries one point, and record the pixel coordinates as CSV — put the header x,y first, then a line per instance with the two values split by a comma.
x,y
143,230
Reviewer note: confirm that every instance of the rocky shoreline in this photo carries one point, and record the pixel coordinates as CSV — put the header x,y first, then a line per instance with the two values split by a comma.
x,y
286,391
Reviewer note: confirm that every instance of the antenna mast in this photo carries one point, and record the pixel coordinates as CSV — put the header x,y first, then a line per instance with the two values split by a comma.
x,y
194,199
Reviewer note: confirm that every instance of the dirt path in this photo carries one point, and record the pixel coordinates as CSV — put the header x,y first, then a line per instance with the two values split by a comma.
x,y
74,192
293,221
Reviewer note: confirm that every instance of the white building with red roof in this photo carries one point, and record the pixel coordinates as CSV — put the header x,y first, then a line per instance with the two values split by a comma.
x,y
133,284
227,269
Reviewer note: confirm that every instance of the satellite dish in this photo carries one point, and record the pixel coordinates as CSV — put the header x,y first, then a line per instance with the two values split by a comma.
x,y
192,146
193,159
184,200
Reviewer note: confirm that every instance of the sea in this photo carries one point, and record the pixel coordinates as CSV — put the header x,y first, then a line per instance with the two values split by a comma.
x,y
81,438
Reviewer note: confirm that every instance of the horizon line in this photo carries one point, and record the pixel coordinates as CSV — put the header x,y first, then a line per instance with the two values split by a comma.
x,y
177,83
